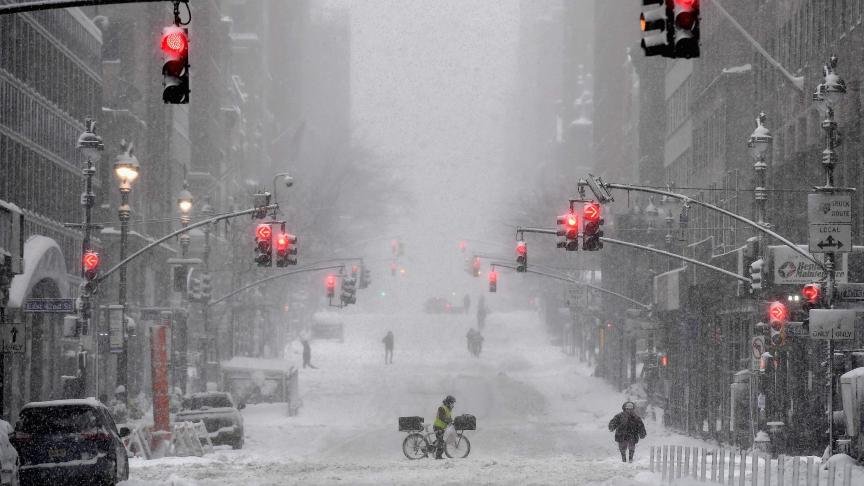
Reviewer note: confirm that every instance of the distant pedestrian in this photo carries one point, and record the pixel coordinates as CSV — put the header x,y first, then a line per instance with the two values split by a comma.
x,y
481,314
307,354
466,303
388,347
628,428
469,337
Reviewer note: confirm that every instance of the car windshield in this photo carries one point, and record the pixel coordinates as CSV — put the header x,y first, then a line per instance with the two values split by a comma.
x,y
57,420
209,401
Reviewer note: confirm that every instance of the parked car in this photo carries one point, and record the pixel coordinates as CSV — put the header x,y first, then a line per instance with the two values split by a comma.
x,y
8,457
69,442
220,415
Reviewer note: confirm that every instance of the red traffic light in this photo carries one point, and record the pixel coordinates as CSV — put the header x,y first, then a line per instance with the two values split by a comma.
x,y
282,243
476,263
263,232
664,360
571,220
493,276
812,293
778,314
463,246
591,212
331,282
685,13
521,248
174,41
90,261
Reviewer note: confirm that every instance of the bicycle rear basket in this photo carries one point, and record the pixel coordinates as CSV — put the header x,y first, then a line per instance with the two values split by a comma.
x,y
410,424
465,422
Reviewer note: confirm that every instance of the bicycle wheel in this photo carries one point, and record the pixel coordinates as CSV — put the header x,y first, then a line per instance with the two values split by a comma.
x,y
458,448
415,446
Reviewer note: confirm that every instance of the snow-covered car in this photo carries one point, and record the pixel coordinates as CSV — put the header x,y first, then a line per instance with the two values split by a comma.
x,y
69,442
8,456
220,415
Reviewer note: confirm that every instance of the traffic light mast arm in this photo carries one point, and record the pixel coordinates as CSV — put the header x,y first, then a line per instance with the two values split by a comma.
x,y
578,282
55,4
688,200
274,277
186,229
675,255
536,230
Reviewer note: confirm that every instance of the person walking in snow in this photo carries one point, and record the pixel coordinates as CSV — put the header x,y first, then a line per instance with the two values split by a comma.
x,y
628,428
307,354
388,347
443,418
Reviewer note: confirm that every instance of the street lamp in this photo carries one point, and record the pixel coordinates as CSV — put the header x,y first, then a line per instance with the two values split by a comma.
x,y
184,203
126,169
759,143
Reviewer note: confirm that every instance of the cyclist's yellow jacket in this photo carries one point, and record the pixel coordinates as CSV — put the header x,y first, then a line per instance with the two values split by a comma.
x,y
442,424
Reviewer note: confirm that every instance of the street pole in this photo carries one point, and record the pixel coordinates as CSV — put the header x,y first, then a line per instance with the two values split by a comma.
x,y
126,168
827,95
207,212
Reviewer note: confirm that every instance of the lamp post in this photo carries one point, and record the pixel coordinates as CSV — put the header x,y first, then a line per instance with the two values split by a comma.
x,y
759,143
179,331
91,147
126,169
206,213
827,95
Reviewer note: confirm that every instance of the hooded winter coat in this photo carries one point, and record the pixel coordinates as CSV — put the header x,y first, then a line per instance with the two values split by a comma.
x,y
628,427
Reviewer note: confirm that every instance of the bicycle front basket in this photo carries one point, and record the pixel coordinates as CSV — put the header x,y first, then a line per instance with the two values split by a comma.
x,y
465,422
407,424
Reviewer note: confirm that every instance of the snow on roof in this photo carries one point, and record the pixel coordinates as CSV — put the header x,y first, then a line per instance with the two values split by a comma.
x,y
238,363
90,402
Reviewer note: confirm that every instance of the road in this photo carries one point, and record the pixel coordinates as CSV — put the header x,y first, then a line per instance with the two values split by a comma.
x,y
541,416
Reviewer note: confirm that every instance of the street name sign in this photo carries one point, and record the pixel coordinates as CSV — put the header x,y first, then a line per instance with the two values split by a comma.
x,y
60,306
830,218
796,329
13,337
832,323
850,291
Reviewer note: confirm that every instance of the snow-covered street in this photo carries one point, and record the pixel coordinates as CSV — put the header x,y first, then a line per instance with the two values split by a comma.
x,y
541,417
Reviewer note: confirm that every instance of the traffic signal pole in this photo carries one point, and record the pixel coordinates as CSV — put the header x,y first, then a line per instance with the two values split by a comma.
x,y
275,277
22,7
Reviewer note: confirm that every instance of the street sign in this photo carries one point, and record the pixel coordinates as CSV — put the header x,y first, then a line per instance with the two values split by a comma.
x,y
13,337
850,291
832,323
830,218
59,306
796,329
791,268
830,238
757,346
827,207
578,296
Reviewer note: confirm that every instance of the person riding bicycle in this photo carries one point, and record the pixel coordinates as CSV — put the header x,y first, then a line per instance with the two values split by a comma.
x,y
443,418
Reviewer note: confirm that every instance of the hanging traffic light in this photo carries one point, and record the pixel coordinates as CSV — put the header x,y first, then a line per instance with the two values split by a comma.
x,y
330,286
757,275
686,28
521,257
264,245
175,67
365,277
475,266
778,315
90,262
664,360
812,294
349,291
286,249
591,233
204,287
493,281
569,230
463,246
653,22
393,268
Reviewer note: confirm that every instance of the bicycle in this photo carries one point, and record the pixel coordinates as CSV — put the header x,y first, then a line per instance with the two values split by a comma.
x,y
417,446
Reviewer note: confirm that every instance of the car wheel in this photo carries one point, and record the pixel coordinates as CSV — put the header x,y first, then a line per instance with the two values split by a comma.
x,y
238,443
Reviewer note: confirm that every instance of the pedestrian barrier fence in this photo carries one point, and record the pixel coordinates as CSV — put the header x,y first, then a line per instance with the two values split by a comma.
x,y
190,439
736,467
138,442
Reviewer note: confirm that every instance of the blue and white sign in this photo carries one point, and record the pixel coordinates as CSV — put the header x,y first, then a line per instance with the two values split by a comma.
x,y
59,306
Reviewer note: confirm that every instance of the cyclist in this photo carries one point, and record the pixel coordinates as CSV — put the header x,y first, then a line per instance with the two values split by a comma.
x,y
443,418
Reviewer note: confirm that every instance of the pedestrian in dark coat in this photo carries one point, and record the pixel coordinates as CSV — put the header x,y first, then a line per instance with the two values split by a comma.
x,y
628,428
307,354
388,347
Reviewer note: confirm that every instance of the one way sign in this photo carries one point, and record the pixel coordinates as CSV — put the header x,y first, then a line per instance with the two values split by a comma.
x,y
13,338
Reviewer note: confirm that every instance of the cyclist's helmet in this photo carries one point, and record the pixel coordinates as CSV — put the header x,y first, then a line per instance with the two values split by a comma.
x,y
449,400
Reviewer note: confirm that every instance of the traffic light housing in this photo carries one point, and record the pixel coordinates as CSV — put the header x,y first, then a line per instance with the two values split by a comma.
x,y
475,266
685,22
90,263
175,67
591,233
811,298
757,275
349,291
205,288
286,249
493,281
569,229
654,23
521,257
778,315
365,277
264,245
330,286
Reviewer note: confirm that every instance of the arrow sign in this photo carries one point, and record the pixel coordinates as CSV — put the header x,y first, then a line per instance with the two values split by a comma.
x,y
830,238
830,242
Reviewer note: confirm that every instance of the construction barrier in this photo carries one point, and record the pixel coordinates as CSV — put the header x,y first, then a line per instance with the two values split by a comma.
x,y
138,442
735,467
190,439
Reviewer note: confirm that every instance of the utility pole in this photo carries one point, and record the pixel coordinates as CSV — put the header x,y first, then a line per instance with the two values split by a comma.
x,y
207,212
